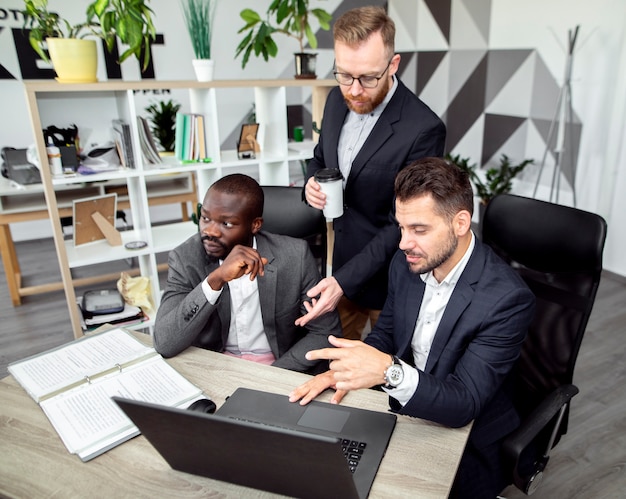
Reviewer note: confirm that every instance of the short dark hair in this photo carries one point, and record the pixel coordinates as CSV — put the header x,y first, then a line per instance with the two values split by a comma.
x,y
448,185
242,185
357,25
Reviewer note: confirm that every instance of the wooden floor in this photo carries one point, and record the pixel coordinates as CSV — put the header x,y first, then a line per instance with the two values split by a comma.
x,y
590,461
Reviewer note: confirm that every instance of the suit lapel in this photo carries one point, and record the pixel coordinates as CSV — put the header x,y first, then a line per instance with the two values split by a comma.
x,y
459,301
380,133
267,292
332,130
412,300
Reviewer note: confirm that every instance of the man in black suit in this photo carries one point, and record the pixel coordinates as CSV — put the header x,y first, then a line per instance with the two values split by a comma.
x,y
373,126
451,329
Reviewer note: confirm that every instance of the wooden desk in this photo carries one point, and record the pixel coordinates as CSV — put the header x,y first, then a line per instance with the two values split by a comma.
x,y
29,204
421,460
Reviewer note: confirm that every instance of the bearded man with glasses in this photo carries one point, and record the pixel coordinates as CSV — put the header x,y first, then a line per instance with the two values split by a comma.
x,y
373,126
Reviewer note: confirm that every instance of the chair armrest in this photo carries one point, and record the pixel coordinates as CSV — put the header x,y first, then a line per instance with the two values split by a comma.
x,y
515,443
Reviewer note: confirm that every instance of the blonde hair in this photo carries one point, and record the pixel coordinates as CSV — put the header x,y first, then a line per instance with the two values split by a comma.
x,y
357,25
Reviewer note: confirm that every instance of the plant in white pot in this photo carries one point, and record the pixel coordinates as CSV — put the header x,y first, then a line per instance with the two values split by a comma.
x,y
130,21
199,18
289,17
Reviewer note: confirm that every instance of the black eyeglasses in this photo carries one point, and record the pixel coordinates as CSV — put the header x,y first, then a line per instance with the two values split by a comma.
x,y
366,81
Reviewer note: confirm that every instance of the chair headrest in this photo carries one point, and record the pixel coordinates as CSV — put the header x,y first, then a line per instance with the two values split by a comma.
x,y
544,236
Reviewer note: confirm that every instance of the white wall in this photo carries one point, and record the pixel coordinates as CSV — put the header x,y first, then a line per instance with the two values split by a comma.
x,y
598,82
598,93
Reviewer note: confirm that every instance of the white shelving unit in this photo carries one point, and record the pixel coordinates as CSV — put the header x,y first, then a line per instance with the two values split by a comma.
x,y
48,100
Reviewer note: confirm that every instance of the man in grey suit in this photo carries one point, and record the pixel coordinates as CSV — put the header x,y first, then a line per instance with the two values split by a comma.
x,y
450,331
236,289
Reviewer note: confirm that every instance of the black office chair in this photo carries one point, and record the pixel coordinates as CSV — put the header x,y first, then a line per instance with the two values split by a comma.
x,y
285,213
558,252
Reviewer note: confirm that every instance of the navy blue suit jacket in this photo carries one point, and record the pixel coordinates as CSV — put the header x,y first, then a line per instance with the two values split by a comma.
x,y
474,349
366,236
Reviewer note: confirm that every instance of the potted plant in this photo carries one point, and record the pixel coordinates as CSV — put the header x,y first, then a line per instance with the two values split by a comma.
x,y
290,18
498,180
199,17
162,117
128,20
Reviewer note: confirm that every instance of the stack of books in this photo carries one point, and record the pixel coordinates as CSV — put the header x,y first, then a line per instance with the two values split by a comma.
x,y
190,138
124,143
148,145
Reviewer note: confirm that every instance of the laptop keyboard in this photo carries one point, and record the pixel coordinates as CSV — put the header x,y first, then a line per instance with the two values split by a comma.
x,y
353,451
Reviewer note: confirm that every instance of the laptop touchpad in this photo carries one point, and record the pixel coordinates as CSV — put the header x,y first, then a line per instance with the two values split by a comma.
x,y
323,418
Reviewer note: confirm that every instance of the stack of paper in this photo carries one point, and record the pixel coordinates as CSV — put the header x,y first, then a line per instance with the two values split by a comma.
x,y
74,383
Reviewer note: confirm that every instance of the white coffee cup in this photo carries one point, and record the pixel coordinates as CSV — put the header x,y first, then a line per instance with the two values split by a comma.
x,y
331,184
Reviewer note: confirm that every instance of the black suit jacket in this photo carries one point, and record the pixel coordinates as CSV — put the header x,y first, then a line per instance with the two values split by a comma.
x,y
476,345
366,236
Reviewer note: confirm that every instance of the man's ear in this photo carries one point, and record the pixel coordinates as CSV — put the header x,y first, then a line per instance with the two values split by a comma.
x,y
462,222
257,223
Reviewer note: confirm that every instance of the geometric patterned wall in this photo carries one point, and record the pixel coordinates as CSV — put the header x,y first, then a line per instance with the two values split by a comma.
x,y
492,101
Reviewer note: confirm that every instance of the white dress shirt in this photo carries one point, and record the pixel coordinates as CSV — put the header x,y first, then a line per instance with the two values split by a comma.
x,y
246,334
436,298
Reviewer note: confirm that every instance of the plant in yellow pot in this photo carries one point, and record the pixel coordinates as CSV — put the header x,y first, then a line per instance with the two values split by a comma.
x,y
130,21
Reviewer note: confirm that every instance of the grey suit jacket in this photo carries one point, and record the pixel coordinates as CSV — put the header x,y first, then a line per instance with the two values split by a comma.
x,y
185,317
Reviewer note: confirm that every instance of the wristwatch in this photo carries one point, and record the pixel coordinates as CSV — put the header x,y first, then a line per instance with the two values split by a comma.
x,y
394,374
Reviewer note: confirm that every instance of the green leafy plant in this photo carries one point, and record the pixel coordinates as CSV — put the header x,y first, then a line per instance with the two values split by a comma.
x,y
199,17
195,217
128,20
498,180
162,117
288,17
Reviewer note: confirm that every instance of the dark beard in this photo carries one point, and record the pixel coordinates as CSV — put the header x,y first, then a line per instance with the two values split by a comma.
x,y
439,259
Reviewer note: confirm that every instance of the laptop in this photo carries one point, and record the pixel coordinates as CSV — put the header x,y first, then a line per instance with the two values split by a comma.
x,y
261,440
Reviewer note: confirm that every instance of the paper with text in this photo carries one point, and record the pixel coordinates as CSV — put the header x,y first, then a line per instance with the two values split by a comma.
x,y
76,362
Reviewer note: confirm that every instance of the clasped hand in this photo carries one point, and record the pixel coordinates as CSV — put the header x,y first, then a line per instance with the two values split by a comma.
x,y
240,261
353,365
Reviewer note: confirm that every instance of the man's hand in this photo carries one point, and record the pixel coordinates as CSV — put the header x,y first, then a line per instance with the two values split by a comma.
x,y
240,261
329,292
312,388
313,194
353,365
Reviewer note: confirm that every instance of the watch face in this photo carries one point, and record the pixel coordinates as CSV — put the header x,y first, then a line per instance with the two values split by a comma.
x,y
394,375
